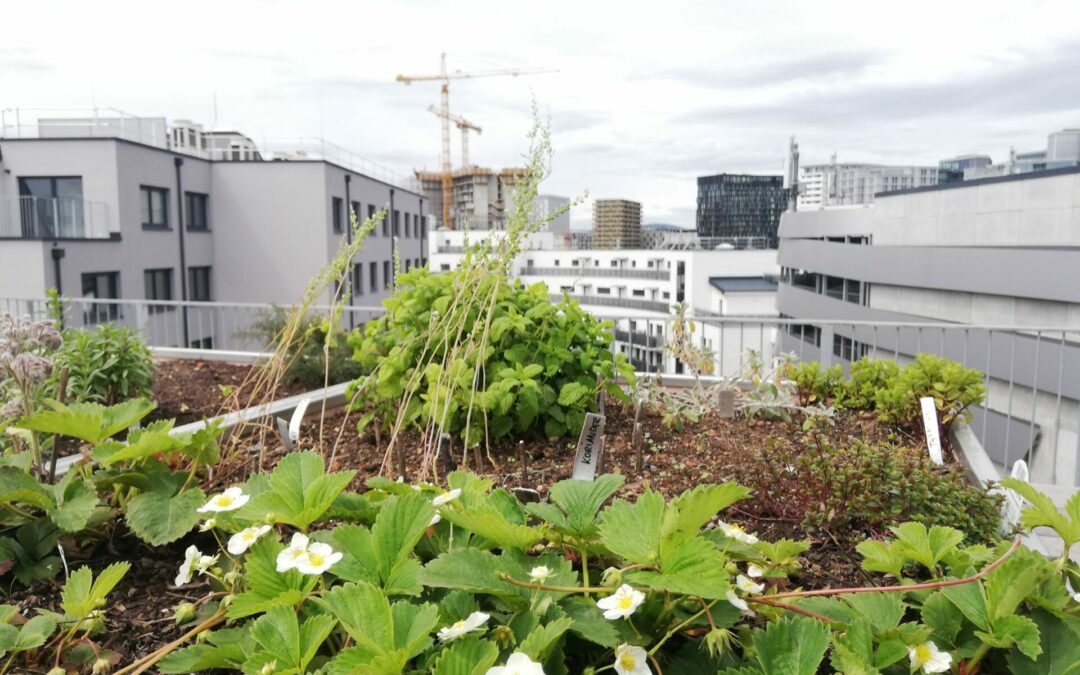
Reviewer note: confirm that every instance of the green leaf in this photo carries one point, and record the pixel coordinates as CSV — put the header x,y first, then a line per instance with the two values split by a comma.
x,y
1061,635
1045,513
1014,580
292,646
9,638
364,613
35,632
300,492
694,567
141,443
159,516
853,650
485,520
590,624
883,610
579,502
971,602
943,618
87,421
224,649
791,646
633,530
80,596
1014,630
398,528
539,642
468,569
688,512
75,503
413,625
467,656
572,394
19,487
926,548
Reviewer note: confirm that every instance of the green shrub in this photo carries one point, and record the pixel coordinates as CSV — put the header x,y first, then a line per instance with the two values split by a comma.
x,y
954,389
868,376
864,487
540,371
814,384
107,365
307,364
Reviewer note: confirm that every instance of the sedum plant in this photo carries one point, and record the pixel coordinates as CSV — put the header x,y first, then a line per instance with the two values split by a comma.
x,y
107,365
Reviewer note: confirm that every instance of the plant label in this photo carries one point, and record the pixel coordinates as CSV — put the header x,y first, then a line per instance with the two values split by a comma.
x,y
588,447
283,432
726,403
930,423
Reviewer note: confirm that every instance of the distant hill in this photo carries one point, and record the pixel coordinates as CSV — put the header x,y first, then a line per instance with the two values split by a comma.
x,y
665,227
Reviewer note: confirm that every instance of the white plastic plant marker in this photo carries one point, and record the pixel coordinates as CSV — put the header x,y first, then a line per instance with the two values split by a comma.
x,y
1014,503
588,447
283,433
933,434
297,418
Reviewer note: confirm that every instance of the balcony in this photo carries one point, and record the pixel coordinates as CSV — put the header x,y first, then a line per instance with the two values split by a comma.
x,y
658,275
611,301
54,218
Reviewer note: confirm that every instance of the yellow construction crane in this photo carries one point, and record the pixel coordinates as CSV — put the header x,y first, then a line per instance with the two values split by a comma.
x,y
465,126
444,114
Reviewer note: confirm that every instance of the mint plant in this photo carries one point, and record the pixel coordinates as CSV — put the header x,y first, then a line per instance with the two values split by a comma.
x,y
107,365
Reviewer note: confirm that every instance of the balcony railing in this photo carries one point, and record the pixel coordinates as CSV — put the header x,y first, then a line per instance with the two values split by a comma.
x,y
586,271
612,301
54,218
1032,374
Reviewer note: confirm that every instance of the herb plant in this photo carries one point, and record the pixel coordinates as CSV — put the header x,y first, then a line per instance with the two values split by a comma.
x,y
107,365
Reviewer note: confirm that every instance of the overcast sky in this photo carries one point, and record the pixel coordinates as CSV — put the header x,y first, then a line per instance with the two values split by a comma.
x,y
647,96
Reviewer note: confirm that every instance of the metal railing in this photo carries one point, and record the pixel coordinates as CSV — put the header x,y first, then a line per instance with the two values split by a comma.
x,y
586,271
613,301
1032,374
54,218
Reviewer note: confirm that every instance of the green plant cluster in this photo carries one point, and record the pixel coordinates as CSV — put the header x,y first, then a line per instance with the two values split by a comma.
x,y
860,486
893,392
306,358
107,365
542,367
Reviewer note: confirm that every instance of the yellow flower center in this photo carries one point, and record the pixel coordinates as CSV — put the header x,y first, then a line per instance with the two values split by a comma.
x,y
316,559
627,661
922,654
626,602
735,529
248,536
224,500
459,625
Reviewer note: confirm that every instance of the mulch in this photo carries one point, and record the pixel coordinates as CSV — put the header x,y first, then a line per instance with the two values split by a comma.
x,y
187,390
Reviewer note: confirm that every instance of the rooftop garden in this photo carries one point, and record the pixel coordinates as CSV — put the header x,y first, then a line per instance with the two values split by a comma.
x,y
788,520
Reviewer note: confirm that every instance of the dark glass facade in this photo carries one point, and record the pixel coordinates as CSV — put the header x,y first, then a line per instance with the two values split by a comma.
x,y
738,205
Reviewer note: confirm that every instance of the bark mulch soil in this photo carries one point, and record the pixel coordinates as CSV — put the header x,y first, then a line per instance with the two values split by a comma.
x,y
188,391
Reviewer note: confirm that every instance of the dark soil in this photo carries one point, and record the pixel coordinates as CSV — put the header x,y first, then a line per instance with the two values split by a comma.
x,y
188,390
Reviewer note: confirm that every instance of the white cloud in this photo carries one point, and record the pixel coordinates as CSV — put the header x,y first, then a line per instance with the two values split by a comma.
x,y
647,96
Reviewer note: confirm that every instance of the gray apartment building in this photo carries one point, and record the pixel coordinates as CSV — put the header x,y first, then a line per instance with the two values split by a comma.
x,y
103,214
966,256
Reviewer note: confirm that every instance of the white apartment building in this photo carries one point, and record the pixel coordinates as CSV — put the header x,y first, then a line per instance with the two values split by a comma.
x,y
836,184
637,289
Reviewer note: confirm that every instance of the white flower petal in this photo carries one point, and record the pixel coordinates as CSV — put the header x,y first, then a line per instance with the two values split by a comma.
x,y
540,573
517,664
754,571
747,586
245,538
229,500
622,603
738,602
631,660
446,497
467,625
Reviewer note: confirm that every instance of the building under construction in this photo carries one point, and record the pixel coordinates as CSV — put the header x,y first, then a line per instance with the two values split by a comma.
x,y
480,196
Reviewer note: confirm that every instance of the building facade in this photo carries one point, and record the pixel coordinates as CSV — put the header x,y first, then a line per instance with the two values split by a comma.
x,y
848,184
998,252
616,223
952,170
108,218
739,205
480,196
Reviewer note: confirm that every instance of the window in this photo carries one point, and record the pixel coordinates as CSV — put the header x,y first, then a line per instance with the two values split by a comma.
x,y
338,206
155,207
204,343
51,207
386,273
195,211
356,211
639,293
844,347
358,279
159,287
423,226
199,284
556,262
407,226
603,290
667,295
443,267
614,263
370,212
385,226
397,222
101,285
374,277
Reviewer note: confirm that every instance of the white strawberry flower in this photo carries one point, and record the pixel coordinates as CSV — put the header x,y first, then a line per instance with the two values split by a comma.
x,y
928,658
540,573
229,500
318,558
631,660
435,519
733,531
738,602
517,664
466,625
194,561
622,603
289,556
1069,588
754,571
243,540
446,497
208,524
747,586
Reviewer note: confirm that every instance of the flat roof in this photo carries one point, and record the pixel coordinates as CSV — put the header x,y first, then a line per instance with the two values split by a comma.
x,y
990,180
742,284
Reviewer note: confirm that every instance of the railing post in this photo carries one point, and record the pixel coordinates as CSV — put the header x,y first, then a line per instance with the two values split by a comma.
x,y
826,355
